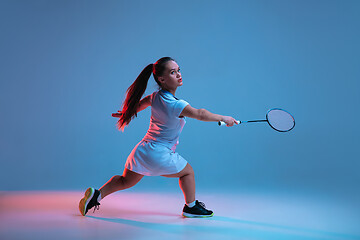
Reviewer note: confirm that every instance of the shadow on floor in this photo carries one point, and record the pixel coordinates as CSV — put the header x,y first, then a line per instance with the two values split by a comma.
x,y
226,226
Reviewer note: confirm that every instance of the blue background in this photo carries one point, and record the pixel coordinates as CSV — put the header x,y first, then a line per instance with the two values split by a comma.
x,y
65,67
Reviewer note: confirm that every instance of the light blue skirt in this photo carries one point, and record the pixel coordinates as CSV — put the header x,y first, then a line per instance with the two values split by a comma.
x,y
154,159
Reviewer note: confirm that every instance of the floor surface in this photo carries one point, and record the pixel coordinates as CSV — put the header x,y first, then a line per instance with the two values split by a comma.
x,y
144,215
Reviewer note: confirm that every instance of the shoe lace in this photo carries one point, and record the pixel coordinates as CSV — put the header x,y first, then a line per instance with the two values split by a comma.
x,y
96,207
202,204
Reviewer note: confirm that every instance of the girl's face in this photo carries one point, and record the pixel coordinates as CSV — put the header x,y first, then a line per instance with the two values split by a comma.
x,y
171,78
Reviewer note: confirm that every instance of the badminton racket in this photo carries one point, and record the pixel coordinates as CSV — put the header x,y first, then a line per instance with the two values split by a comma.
x,y
279,119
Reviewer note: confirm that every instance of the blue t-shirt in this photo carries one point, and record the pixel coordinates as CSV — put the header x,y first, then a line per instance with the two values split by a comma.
x,y
165,123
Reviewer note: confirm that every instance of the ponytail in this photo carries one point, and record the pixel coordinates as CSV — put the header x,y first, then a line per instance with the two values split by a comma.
x,y
134,94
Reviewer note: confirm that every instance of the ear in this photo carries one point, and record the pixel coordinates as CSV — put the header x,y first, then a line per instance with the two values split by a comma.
x,y
161,79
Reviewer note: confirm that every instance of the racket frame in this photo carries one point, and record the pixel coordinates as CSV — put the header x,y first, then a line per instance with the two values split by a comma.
x,y
220,123
267,119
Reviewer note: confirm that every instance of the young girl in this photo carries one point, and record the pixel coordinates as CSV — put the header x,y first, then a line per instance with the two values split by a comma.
x,y
155,154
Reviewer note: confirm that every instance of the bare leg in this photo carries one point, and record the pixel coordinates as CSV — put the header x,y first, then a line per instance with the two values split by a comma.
x,y
186,182
116,183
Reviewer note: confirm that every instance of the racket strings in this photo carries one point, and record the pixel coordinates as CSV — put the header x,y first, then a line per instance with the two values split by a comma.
x,y
280,120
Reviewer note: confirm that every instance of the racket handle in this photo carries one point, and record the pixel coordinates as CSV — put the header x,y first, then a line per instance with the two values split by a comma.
x,y
221,123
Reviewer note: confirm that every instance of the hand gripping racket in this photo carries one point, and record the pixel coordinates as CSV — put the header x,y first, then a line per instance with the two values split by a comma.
x,y
279,119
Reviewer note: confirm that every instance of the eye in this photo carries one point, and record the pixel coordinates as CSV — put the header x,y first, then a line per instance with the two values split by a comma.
x,y
179,70
172,72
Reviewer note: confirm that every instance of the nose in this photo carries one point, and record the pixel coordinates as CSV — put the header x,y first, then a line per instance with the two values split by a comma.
x,y
178,74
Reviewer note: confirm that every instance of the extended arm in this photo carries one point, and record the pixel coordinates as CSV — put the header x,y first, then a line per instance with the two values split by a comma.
x,y
204,115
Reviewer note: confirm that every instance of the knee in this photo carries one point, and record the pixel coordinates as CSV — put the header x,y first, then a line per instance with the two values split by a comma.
x,y
116,178
119,180
126,182
189,171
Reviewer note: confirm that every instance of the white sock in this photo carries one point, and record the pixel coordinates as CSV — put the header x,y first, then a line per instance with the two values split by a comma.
x,y
190,205
99,197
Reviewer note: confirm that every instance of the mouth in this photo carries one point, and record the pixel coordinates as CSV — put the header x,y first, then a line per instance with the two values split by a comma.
x,y
180,80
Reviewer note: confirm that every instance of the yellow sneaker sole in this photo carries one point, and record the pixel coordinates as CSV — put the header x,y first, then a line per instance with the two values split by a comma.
x,y
89,193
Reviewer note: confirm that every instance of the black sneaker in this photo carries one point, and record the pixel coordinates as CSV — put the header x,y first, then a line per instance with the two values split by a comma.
x,y
89,200
198,210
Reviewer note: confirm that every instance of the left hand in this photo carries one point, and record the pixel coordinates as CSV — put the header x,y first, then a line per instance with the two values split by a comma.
x,y
118,114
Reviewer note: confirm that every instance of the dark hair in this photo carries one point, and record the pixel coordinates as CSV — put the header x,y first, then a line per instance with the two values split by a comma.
x,y
137,89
